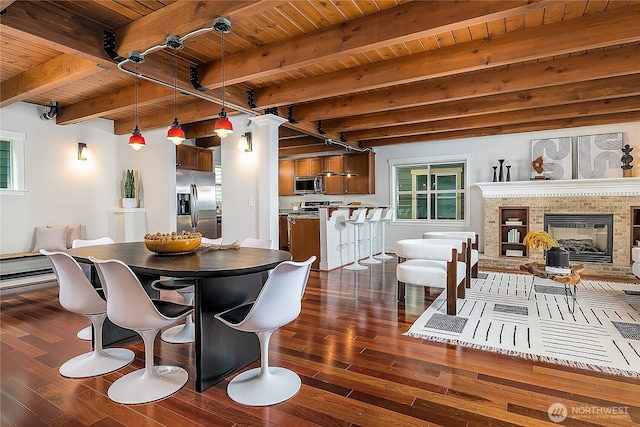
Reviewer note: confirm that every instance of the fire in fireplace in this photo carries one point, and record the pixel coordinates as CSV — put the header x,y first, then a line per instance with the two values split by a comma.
x,y
587,237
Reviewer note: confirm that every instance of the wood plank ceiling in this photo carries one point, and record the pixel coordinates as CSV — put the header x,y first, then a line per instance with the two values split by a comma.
x,y
365,73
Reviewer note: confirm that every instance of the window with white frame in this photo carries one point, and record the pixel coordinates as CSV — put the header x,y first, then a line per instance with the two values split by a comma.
x,y
12,162
430,190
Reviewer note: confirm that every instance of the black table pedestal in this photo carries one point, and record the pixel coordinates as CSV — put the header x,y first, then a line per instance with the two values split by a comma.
x,y
223,350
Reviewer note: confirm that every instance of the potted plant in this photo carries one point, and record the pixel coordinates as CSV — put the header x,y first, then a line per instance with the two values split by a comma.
x,y
556,256
539,239
129,200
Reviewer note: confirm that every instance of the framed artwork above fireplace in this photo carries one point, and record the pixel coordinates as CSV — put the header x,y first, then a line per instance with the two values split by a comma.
x,y
556,156
599,156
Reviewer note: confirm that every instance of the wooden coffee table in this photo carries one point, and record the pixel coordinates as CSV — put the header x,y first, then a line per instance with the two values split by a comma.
x,y
537,269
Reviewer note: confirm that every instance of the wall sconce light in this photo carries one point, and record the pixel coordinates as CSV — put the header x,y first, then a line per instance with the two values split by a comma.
x,y
246,143
83,151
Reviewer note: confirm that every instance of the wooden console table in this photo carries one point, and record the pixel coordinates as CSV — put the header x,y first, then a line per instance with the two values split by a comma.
x,y
570,280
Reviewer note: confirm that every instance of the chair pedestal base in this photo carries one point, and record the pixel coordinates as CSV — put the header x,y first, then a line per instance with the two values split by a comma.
x,y
180,334
249,388
138,387
96,363
383,256
356,266
371,260
85,333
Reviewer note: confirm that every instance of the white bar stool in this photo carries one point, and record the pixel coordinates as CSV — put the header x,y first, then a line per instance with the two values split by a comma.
x,y
386,219
373,219
357,219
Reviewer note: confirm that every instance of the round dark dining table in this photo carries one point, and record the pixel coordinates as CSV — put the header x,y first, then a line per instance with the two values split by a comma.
x,y
223,279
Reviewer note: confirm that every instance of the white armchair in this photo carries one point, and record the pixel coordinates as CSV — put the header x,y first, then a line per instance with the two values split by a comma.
x,y
471,237
432,262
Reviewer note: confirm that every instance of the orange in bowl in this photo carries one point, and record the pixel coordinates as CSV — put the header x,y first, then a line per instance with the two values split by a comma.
x,y
172,243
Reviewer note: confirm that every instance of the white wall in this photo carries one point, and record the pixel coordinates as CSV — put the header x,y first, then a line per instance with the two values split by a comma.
x,y
156,166
61,190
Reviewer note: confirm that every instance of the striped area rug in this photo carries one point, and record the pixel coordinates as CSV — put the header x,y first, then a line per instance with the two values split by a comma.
x,y
506,313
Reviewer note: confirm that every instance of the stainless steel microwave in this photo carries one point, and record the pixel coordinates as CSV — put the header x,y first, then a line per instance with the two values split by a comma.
x,y
308,185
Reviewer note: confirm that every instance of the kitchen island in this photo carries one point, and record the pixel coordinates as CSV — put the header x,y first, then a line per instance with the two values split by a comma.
x,y
336,236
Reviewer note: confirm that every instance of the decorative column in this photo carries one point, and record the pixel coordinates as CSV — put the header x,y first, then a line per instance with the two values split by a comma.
x,y
265,143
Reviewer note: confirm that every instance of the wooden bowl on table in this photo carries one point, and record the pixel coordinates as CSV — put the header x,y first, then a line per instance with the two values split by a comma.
x,y
173,243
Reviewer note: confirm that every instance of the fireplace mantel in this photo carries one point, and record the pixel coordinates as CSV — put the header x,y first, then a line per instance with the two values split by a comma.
x,y
562,188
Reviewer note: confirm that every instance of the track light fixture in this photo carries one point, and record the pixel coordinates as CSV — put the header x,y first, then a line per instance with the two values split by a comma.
x,y
136,140
223,126
175,133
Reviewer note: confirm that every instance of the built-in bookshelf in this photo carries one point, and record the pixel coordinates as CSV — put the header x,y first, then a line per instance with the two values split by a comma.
x,y
514,225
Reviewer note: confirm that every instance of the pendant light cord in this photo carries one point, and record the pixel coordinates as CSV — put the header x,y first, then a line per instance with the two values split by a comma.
x,y
175,82
136,94
222,47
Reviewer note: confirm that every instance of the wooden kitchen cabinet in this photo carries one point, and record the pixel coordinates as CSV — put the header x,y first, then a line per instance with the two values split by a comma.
x,y
286,174
364,165
334,184
309,166
283,233
194,158
304,239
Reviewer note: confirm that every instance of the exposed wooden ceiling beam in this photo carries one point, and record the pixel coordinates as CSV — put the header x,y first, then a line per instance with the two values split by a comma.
x,y
396,25
58,71
614,87
581,109
53,27
179,18
119,100
578,34
590,66
603,119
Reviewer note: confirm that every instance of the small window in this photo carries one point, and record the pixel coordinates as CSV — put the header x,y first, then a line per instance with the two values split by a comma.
x,y
430,190
12,163
5,164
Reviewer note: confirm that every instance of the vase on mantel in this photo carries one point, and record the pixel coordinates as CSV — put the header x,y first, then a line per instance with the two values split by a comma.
x,y
501,172
495,178
508,172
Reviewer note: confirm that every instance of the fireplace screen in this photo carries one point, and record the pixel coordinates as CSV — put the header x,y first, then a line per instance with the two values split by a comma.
x,y
587,237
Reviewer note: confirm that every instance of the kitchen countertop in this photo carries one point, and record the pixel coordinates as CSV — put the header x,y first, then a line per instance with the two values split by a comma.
x,y
305,215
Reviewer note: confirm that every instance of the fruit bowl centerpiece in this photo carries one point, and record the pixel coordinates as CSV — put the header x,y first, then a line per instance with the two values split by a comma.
x,y
172,243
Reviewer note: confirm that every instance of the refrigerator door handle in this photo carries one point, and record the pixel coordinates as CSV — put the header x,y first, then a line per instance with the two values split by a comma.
x,y
194,206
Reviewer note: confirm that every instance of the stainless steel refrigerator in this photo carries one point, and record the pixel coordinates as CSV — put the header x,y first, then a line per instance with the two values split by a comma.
x,y
196,194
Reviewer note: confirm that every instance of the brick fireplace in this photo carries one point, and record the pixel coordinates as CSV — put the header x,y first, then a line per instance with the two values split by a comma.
x,y
602,196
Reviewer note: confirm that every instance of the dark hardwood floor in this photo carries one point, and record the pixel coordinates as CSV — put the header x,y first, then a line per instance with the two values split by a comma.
x,y
357,369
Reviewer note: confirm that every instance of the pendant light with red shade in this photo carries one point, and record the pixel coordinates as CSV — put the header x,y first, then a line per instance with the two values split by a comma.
x,y
175,133
136,140
223,126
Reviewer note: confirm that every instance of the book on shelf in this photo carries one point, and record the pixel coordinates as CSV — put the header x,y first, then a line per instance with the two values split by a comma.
x,y
514,252
513,223
513,236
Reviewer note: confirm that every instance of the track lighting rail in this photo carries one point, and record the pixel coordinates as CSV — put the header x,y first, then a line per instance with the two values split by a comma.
x,y
220,25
